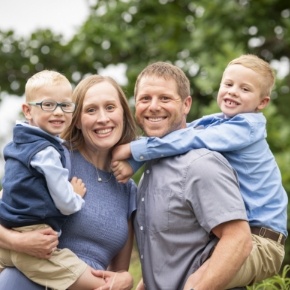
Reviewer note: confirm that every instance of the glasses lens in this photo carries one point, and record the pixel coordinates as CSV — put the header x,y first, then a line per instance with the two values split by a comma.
x,y
48,105
68,107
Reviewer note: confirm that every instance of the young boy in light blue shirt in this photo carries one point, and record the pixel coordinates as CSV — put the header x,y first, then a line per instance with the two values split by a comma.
x,y
239,133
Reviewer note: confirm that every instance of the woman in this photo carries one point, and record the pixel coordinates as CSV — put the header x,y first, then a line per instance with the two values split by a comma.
x,y
101,233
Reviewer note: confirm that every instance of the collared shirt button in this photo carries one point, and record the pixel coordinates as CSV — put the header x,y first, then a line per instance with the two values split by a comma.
x,y
142,199
141,228
147,171
141,157
141,257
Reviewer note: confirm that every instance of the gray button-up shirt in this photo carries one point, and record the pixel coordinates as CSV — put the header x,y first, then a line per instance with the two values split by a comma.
x,y
180,200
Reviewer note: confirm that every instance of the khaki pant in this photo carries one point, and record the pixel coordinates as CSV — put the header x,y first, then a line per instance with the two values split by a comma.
x,y
264,261
58,272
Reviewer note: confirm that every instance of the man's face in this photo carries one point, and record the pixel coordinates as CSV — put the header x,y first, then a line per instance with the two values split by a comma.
x,y
159,108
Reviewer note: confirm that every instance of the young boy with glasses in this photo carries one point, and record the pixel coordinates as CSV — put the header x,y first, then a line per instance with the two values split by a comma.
x,y
37,193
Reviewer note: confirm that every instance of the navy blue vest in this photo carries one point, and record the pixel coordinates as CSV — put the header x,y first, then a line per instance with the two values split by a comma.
x,y
26,199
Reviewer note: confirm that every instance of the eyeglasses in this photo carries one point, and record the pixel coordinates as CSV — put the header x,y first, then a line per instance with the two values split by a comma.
x,y
50,106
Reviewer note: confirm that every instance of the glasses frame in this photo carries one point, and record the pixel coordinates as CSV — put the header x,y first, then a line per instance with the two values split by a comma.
x,y
61,105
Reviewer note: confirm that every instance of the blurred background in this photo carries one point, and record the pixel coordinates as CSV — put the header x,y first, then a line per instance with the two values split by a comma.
x,y
120,37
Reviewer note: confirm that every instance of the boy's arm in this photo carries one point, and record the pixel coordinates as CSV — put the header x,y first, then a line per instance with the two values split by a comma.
x,y
232,134
61,190
122,170
123,165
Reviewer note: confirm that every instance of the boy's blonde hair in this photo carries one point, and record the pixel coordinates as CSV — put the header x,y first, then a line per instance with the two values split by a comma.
x,y
261,67
42,79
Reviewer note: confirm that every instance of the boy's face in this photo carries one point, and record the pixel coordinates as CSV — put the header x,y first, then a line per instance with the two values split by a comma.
x,y
54,122
159,108
240,91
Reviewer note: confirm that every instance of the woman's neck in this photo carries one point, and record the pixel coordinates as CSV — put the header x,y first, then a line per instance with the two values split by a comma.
x,y
100,159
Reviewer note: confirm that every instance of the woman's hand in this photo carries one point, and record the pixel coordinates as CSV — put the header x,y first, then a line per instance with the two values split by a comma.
x,y
114,280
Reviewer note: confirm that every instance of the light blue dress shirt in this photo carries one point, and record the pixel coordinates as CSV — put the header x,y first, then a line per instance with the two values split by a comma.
x,y
242,140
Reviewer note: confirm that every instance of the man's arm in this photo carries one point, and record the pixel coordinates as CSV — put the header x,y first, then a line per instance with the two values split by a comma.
x,y
234,246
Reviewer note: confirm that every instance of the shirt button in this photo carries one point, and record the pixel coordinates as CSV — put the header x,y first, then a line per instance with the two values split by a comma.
x,y
142,257
141,157
142,199
147,171
141,228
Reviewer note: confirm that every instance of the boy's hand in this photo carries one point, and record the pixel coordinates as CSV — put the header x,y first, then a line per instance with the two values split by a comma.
x,y
121,152
122,170
78,186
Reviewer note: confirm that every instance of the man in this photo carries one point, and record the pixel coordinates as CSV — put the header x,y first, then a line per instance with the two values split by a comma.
x,y
191,224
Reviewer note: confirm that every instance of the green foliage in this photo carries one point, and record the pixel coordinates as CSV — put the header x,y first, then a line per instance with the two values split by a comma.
x,y
277,282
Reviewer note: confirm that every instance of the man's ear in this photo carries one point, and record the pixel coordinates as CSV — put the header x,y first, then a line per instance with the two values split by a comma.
x,y
26,109
264,103
187,104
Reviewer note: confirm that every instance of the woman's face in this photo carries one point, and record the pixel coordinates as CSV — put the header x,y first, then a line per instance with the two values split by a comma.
x,y
101,118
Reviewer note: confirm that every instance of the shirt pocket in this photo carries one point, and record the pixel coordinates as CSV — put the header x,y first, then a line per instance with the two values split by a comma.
x,y
158,210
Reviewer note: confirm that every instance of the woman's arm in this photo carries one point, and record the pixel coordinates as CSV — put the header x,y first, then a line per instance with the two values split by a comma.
x,y
39,243
122,261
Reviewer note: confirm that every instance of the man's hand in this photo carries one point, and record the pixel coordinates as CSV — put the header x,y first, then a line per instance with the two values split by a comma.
x,y
122,171
121,152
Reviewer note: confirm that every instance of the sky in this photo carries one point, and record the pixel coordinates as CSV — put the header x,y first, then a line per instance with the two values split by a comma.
x,y
25,16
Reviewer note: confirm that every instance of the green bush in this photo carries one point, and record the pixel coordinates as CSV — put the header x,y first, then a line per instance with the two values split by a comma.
x,y
277,282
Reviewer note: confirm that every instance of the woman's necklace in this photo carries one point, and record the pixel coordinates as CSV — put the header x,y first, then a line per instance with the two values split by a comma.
x,y
99,179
